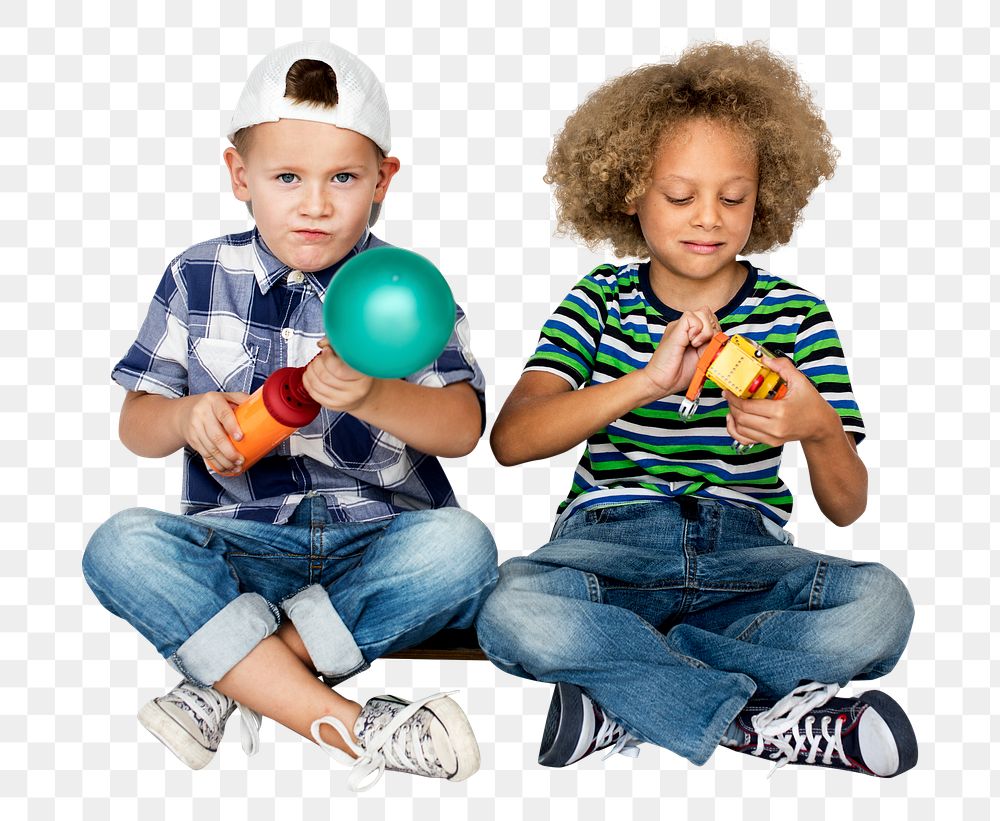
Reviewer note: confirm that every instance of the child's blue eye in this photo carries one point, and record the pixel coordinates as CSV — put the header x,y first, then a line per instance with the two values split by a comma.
x,y
733,202
343,176
287,178
683,201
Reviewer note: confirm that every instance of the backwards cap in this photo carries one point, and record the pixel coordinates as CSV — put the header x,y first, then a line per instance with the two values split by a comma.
x,y
361,107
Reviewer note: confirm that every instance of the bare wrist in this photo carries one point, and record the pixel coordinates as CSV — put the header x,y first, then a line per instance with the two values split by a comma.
x,y
644,388
371,401
179,409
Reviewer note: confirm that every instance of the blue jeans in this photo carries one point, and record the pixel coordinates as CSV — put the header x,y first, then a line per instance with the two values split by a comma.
x,y
205,590
672,614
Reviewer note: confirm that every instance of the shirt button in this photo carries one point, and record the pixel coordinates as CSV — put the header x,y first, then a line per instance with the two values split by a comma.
x,y
286,333
295,277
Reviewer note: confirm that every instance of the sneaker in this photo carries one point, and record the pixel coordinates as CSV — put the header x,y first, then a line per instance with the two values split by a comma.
x,y
868,734
430,737
190,721
576,727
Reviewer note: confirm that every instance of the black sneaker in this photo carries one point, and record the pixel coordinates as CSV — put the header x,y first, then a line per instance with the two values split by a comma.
x,y
867,734
576,727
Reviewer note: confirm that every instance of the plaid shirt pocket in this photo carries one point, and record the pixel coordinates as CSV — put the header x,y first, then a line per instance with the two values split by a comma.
x,y
220,365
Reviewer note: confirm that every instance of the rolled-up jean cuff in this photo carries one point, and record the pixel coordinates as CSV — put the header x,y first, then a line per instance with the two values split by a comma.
x,y
226,639
330,645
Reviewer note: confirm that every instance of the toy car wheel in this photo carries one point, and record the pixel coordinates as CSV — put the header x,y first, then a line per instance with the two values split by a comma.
x,y
687,408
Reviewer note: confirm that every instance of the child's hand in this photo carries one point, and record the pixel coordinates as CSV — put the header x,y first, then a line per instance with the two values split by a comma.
x,y
209,424
335,384
673,362
802,414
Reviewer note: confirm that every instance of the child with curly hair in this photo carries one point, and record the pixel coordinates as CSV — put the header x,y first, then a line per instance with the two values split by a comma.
x,y
670,605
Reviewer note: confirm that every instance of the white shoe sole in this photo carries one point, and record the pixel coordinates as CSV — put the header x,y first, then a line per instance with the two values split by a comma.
x,y
459,737
173,736
885,736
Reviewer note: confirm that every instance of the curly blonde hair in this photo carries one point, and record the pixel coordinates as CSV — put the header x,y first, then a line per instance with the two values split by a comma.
x,y
602,159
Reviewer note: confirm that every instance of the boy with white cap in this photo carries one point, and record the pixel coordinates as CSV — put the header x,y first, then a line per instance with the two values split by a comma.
x,y
350,529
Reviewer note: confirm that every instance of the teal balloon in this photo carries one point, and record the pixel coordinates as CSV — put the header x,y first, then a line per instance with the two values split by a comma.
x,y
388,312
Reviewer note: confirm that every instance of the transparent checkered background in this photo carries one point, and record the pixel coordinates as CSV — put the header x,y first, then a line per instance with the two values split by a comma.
x,y
111,124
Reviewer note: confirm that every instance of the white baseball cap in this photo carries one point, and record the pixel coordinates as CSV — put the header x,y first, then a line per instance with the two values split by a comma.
x,y
361,106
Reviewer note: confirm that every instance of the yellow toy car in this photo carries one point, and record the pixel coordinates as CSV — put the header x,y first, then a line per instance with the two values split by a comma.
x,y
736,364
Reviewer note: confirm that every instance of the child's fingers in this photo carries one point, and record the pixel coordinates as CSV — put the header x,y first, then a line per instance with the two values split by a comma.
x,y
208,426
745,409
733,429
781,365
214,454
227,418
219,448
203,446
739,433
705,326
754,430
338,368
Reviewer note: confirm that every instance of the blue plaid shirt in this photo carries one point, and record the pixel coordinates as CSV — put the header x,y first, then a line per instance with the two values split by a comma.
x,y
227,314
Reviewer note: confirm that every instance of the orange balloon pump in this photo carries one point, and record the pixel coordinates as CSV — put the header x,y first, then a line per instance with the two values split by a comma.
x,y
273,412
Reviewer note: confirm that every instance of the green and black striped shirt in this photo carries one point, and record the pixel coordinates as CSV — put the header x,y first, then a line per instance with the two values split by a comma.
x,y
609,325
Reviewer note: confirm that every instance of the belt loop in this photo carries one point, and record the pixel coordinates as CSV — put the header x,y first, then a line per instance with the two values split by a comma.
x,y
320,512
689,508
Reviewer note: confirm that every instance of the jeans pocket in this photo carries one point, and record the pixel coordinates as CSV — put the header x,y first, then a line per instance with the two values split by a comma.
x,y
770,529
621,512
756,624
564,527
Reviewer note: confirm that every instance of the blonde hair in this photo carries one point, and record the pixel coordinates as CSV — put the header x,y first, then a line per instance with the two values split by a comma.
x,y
602,159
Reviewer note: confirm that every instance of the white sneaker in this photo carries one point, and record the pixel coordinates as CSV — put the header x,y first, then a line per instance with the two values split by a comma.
x,y
190,721
430,737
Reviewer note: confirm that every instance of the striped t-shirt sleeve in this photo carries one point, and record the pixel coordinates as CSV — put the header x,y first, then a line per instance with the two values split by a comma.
x,y
820,356
569,338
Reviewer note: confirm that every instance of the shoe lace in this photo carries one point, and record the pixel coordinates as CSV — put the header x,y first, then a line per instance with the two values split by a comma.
x,y
383,748
211,709
249,729
779,726
624,742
